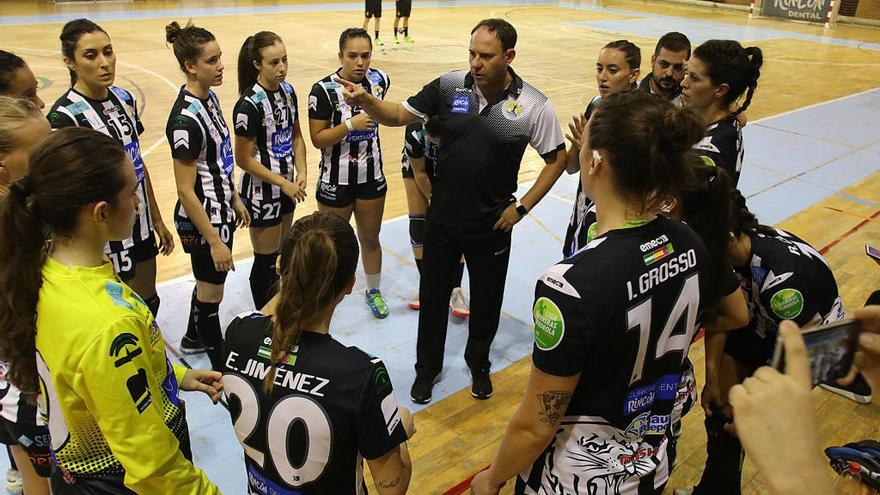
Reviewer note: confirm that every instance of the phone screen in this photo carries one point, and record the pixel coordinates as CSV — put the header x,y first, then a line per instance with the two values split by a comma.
x,y
872,251
831,349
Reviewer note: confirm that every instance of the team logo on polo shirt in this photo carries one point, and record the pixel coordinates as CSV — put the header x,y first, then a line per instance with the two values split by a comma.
x,y
512,110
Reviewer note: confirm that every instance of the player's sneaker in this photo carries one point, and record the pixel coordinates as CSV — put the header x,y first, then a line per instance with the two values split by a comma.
x,y
459,304
376,303
409,39
481,386
14,483
378,42
191,346
858,391
396,41
420,393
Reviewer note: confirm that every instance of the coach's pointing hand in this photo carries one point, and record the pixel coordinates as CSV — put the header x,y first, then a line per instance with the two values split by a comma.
x,y
355,94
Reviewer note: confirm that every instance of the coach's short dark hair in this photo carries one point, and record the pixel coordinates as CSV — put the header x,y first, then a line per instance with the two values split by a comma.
x,y
674,42
505,32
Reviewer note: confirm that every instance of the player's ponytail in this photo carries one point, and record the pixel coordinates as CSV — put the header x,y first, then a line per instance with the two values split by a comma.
x,y
705,206
742,220
318,259
187,41
648,144
249,55
65,175
70,35
727,62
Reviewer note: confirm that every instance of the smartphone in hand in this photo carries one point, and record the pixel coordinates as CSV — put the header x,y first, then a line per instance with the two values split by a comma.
x,y
831,349
872,252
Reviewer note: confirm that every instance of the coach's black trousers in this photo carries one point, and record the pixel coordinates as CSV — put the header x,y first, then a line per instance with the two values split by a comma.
x,y
486,253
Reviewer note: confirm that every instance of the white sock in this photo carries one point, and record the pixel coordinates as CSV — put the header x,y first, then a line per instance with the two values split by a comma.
x,y
373,280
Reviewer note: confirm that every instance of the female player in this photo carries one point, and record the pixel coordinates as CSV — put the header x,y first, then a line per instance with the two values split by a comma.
x,y
611,333
351,178
94,102
208,209
22,126
419,160
304,395
17,80
784,278
617,70
718,73
268,146
116,422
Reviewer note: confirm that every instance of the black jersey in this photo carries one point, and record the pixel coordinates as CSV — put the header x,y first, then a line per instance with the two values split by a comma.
x,y
14,406
786,279
583,213
356,159
117,117
267,117
722,146
482,143
197,131
417,145
331,407
622,312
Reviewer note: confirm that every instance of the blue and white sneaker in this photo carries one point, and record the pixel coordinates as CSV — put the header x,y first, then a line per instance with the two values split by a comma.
x,y
376,303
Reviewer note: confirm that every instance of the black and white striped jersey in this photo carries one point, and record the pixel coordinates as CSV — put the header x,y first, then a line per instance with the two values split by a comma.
x,y
267,117
197,131
14,406
417,145
356,159
117,117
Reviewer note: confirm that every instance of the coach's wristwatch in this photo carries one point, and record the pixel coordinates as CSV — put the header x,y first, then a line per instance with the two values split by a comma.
x,y
521,209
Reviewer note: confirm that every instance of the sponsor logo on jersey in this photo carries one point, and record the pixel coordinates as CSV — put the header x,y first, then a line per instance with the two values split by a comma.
x,y
549,324
226,156
266,353
181,138
787,303
642,398
461,103
282,143
512,110
127,343
115,292
658,255
707,161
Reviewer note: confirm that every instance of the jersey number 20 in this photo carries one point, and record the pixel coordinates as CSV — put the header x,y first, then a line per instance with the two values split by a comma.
x,y
286,412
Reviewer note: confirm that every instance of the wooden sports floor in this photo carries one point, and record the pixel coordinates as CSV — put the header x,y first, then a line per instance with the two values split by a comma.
x,y
458,436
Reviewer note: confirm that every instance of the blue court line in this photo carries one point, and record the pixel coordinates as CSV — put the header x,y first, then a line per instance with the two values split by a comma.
x,y
857,200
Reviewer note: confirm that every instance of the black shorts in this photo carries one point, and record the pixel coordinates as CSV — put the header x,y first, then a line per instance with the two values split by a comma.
x,y
373,8
268,212
340,196
200,252
403,7
749,348
33,439
125,260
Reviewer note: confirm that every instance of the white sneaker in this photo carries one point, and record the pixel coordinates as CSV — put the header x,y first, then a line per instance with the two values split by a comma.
x,y
459,304
14,484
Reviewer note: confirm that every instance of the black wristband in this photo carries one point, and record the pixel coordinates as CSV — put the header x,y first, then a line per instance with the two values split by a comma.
x,y
521,209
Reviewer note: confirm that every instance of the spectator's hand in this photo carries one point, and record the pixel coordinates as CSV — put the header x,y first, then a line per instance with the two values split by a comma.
x,y
508,219
868,356
773,414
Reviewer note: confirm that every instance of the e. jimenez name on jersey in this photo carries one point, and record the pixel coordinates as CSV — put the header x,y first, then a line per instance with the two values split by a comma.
x,y
329,407
621,312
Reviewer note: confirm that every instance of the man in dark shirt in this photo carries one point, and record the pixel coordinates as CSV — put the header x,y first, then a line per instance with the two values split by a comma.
x,y
488,116
668,65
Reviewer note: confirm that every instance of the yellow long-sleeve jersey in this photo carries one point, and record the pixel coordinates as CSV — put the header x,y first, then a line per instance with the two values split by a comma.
x,y
110,393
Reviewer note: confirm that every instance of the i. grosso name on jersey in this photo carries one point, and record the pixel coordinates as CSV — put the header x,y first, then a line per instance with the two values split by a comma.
x,y
661,273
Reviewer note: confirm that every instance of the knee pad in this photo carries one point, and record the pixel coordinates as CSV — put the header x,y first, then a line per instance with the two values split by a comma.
x,y
416,230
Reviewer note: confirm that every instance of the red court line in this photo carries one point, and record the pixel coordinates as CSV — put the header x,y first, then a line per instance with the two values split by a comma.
x,y
464,485
849,232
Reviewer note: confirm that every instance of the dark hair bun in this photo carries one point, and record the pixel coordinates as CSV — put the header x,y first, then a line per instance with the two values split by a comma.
x,y
172,31
679,130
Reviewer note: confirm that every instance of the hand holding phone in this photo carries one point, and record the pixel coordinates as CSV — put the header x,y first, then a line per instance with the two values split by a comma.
x,y
873,253
831,349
